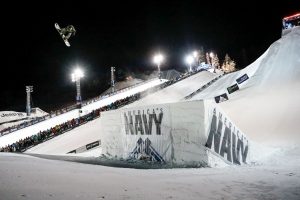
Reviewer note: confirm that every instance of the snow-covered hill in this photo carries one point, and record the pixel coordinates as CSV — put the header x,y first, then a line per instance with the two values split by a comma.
x,y
267,105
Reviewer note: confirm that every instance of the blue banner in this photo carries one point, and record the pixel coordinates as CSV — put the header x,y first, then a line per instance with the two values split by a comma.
x,y
242,79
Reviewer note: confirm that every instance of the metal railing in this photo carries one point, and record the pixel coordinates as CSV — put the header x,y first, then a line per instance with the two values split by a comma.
x,y
203,87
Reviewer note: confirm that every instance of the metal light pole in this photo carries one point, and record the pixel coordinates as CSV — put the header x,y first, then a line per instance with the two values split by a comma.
x,y
212,55
157,60
113,69
29,89
189,60
76,76
196,56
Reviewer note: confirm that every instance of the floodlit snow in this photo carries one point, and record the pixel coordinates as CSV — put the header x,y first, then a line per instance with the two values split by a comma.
x,y
91,131
177,91
267,106
70,140
44,125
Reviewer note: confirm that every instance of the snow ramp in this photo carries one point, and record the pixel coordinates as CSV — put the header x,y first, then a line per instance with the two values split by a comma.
x,y
266,105
178,91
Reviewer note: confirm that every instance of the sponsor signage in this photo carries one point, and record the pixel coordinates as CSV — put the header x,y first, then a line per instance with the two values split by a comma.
x,y
242,79
93,144
15,114
86,147
226,139
221,98
146,132
233,88
143,121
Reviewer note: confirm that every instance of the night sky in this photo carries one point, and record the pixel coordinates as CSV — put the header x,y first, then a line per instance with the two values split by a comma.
x,y
124,35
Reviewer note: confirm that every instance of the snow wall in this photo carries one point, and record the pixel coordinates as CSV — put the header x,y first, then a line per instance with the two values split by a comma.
x,y
185,133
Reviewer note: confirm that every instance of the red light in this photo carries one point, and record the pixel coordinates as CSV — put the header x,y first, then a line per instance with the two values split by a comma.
x,y
292,16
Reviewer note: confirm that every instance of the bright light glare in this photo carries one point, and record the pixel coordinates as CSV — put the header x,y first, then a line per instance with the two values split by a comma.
x,y
189,59
78,73
195,54
158,59
211,54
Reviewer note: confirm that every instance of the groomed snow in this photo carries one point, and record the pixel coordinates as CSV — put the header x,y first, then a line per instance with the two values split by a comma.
x,y
177,91
70,140
25,177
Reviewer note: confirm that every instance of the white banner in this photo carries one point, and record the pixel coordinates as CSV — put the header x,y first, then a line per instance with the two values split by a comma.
x,y
225,138
147,132
6,116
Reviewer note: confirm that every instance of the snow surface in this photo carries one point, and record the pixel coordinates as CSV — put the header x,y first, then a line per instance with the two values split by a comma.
x,y
177,91
266,107
25,177
70,140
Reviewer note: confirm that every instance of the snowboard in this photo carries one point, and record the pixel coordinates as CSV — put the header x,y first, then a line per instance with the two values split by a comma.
x,y
57,27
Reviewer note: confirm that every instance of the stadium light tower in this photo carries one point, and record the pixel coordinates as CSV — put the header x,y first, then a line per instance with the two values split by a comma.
x,y
29,89
113,69
157,60
76,76
189,60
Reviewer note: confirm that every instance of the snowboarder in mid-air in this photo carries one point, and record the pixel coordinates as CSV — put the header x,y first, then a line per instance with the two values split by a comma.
x,y
66,32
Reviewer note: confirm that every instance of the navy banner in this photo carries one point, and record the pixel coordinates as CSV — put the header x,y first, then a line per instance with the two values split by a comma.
x,y
233,88
242,79
221,98
226,139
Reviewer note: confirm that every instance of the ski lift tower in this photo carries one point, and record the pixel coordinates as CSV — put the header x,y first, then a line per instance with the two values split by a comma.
x,y
29,89
113,69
